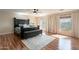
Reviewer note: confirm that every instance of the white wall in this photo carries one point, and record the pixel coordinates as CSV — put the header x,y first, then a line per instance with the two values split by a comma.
x,y
6,21
33,19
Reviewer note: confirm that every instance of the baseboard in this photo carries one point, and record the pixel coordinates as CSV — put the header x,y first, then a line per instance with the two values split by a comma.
x,y
6,33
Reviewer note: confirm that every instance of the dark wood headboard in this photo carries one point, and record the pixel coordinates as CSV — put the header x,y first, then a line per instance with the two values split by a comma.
x,y
20,21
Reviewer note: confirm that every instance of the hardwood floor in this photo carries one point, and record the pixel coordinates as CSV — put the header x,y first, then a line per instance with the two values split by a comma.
x,y
12,42
63,43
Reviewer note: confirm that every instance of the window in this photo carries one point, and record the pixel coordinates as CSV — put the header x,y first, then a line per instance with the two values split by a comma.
x,y
65,24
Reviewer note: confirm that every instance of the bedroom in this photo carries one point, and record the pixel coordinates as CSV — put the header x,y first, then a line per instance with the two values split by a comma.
x,y
51,21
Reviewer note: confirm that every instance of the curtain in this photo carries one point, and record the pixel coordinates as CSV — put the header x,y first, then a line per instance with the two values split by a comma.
x,y
75,17
52,26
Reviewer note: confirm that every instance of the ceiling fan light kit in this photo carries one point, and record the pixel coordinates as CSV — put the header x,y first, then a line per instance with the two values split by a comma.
x,y
35,11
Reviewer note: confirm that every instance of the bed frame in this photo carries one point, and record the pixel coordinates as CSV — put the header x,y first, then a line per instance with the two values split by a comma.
x,y
26,32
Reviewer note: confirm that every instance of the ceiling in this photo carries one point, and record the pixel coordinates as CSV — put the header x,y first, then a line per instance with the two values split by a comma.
x,y
40,11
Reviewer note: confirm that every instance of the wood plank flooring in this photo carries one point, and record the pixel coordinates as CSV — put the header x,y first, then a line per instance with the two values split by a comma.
x,y
63,43
12,42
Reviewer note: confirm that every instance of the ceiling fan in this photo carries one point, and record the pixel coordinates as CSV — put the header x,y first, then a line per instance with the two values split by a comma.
x,y
35,11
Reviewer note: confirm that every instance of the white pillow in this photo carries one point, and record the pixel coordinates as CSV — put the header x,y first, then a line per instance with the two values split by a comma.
x,y
20,24
26,26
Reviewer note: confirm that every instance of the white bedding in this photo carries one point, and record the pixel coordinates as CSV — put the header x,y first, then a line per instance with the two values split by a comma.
x,y
18,29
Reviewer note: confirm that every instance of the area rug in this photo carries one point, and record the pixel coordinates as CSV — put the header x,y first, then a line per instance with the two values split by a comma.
x,y
38,42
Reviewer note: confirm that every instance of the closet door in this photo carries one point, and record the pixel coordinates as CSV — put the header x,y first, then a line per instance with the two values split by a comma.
x,y
65,25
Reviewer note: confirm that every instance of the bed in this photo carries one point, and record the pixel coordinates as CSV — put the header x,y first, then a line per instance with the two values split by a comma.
x,y
23,28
